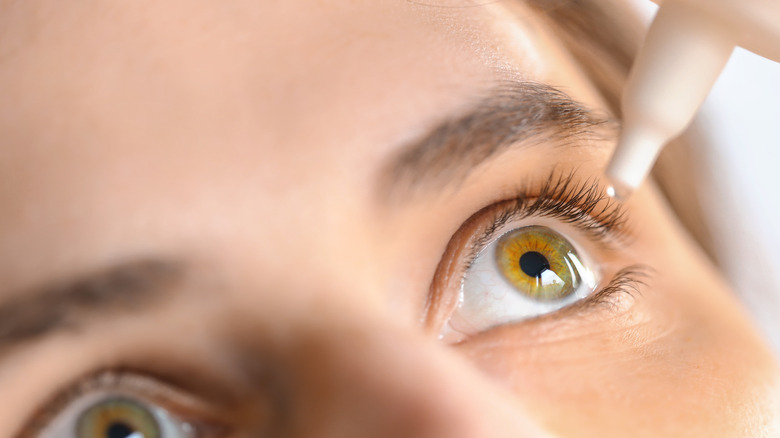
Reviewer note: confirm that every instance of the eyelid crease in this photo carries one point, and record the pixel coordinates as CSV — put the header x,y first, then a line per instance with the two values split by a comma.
x,y
513,115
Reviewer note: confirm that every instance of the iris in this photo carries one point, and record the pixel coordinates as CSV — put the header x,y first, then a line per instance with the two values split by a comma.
x,y
117,418
539,263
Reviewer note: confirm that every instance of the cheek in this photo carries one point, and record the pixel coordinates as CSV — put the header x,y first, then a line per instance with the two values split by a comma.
x,y
680,352
660,366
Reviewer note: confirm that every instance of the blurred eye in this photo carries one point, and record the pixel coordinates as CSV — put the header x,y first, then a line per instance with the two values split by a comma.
x,y
118,418
525,272
113,416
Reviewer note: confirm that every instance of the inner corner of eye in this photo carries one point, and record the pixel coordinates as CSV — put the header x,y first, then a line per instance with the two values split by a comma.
x,y
526,272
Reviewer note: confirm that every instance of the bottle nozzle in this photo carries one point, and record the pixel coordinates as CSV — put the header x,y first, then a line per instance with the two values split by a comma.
x,y
618,190
683,54
634,157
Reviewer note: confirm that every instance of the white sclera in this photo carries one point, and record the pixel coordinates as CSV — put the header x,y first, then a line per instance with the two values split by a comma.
x,y
488,299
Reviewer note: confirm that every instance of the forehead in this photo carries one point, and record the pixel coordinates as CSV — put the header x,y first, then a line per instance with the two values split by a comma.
x,y
298,72
117,115
272,69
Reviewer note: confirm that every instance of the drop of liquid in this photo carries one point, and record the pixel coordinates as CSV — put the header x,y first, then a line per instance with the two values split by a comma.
x,y
618,191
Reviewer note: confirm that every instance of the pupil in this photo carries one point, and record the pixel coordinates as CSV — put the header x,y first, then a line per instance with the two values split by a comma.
x,y
119,430
533,264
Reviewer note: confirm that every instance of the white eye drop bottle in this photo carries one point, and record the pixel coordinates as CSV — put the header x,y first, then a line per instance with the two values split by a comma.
x,y
684,52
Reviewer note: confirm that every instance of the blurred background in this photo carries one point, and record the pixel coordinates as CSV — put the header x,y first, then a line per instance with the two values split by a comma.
x,y
739,127
726,180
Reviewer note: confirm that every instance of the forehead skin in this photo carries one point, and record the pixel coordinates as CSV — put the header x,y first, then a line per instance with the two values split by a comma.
x,y
276,112
249,139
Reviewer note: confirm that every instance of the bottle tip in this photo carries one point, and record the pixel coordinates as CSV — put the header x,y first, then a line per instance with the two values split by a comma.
x,y
618,191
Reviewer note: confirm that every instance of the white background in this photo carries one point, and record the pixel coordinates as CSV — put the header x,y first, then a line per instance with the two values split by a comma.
x,y
737,133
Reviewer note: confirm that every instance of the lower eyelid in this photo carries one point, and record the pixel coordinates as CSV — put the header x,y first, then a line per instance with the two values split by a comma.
x,y
617,295
608,302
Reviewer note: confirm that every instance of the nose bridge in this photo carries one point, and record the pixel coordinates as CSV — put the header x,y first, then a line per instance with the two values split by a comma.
x,y
363,385
379,381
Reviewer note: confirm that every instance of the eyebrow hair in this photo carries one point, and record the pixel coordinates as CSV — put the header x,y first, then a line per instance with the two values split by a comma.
x,y
514,114
60,305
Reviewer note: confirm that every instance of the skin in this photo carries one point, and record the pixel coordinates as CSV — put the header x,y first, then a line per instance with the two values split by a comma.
x,y
248,143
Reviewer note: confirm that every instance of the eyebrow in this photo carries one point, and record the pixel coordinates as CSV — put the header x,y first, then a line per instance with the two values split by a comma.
x,y
513,114
60,305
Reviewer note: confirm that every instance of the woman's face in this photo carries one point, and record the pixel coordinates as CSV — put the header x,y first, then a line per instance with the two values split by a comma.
x,y
339,219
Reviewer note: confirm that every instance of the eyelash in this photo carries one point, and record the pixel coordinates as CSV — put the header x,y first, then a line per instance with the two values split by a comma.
x,y
585,206
629,281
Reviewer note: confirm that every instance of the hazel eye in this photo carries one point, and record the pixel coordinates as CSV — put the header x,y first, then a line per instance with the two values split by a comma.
x,y
117,418
525,272
539,263
105,415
